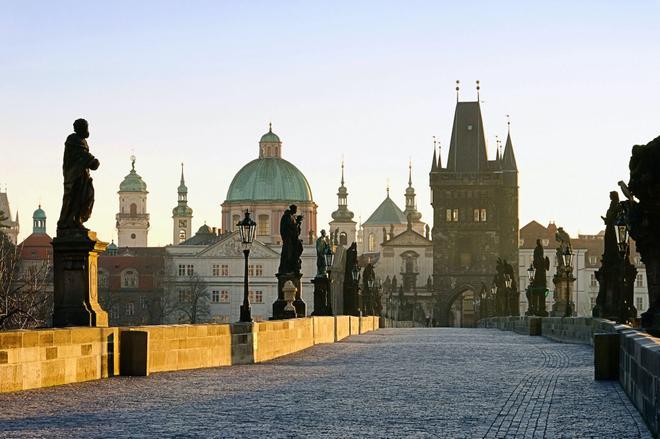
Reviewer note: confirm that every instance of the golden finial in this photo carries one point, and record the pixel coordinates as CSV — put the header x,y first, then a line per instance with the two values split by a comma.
x,y
270,127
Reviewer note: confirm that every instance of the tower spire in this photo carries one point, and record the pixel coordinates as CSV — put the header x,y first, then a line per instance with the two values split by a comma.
x,y
409,172
478,88
342,171
434,165
457,88
183,181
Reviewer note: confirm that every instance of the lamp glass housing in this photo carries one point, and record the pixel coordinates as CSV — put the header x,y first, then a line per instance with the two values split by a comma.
x,y
531,273
246,229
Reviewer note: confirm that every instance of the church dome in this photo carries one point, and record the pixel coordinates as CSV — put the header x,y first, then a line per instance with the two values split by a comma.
x,y
269,179
270,137
39,214
133,182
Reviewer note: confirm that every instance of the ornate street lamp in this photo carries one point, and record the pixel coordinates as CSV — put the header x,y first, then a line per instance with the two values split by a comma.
x,y
507,281
568,257
355,273
622,234
246,229
531,273
329,256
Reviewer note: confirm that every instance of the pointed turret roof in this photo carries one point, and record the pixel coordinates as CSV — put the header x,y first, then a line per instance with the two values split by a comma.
x,y
342,214
467,150
509,158
387,213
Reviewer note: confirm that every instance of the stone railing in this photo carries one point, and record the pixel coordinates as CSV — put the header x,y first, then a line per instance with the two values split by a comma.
x,y
42,358
638,365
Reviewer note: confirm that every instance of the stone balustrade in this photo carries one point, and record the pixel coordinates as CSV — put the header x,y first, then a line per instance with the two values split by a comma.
x,y
638,354
40,358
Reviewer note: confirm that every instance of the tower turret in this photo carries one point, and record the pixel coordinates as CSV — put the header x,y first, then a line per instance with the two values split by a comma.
x,y
39,221
181,214
342,218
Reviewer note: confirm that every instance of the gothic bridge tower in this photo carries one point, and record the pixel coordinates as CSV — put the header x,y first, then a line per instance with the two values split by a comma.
x,y
475,217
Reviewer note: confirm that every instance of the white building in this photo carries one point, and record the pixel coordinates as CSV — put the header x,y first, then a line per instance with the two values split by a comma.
x,y
132,219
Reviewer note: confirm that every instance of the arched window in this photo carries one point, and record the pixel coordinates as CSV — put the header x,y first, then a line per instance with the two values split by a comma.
x,y
129,278
234,220
133,209
343,238
371,243
182,235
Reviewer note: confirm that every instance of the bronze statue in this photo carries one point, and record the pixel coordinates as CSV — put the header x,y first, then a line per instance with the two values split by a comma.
x,y
78,198
322,248
292,248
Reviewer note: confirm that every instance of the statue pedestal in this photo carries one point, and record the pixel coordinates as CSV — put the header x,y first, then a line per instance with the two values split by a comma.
x,y
75,272
279,304
322,306
563,306
352,299
616,292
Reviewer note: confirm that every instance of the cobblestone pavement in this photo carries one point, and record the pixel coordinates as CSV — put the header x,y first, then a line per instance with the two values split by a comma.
x,y
441,382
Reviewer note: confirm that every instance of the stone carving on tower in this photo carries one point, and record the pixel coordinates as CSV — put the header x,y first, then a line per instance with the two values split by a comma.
x,y
342,223
181,215
132,219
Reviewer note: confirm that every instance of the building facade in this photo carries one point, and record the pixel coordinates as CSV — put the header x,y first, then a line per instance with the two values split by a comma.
x,y
475,208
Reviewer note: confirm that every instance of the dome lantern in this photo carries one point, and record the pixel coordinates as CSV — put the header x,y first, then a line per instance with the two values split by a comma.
x,y
270,145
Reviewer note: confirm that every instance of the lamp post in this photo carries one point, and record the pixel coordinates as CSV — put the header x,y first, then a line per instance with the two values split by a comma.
x,y
355,276
625,309
531,299
370,295
329,257
508,281
246,229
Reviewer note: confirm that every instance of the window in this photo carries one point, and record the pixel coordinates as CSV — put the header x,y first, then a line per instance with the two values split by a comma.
x,y
224,296
448,215
190,270
182,270
235,220
130,309
476,215
256,296
224,270
216,269
182,235
371,243
343,238
133,209
479,215
104,279
143,302
215,296
182,223
182,296
483,215
258,270
454,215
593,281
250,270
263,225
639,304
129,279
593,260
640,281
114,313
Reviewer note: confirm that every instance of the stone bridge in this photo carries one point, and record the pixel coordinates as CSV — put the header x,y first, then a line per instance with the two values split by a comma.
x,y
435,382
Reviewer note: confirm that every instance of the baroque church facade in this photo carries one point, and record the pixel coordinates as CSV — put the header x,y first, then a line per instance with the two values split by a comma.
x,y
475,209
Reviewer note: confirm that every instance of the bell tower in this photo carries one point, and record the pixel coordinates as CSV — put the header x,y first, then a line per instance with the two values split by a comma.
x,y
132,219
181,215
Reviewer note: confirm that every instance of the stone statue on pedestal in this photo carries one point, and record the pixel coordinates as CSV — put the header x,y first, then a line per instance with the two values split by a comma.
x,y
76,249
539,285
322,249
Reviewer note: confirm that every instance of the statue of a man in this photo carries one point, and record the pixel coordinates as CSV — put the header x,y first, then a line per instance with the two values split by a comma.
x,y
564,247
78,198
322,248
292,248
541,264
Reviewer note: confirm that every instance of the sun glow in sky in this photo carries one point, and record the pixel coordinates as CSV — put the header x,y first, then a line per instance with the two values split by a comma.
x,y
372,81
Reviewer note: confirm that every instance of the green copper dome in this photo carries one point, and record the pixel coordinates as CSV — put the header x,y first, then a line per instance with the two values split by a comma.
x,y
269,179
270,136
133,182
39,214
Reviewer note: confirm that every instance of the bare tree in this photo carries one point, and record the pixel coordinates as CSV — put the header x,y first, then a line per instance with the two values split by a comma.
x,y
193,299
24,298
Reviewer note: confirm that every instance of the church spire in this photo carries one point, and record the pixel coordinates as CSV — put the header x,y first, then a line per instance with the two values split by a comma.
x,y
411,205
181,214
434,165
509,158
342,214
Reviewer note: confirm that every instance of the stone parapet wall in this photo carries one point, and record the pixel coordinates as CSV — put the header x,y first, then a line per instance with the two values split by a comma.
x,y
42,358
389,323
639,355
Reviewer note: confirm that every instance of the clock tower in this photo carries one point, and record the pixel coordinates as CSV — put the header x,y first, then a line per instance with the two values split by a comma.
x,y
181,215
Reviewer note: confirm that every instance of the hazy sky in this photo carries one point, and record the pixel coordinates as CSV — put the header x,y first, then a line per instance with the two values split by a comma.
x,y
198,82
